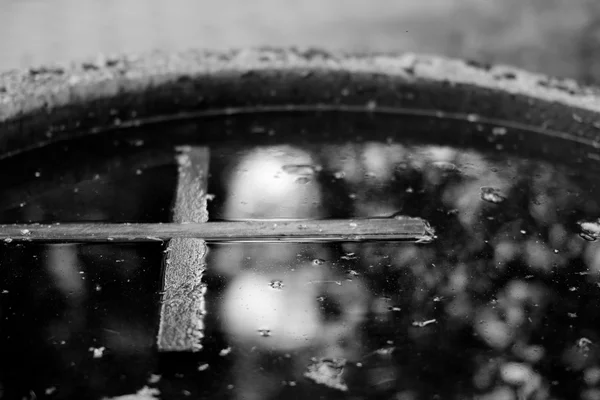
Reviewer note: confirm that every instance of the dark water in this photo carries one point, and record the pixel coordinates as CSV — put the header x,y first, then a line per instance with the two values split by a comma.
x,y
502,305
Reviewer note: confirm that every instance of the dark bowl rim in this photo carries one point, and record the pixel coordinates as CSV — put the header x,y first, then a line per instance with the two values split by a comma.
x,y
46,104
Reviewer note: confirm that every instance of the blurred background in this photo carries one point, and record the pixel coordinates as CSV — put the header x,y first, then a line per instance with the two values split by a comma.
x,y
558,37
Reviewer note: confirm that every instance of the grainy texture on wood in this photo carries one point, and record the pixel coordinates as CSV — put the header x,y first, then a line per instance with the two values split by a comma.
x,y
190,203
183,308
182,313
411,229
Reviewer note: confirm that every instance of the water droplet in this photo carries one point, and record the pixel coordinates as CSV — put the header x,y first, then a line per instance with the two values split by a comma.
x,y
445,166
422,324
303,180
318,261
276,284
491,195
301,169
264,332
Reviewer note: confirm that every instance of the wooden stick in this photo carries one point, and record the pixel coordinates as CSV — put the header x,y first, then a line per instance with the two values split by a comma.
x,y
404,229
183,307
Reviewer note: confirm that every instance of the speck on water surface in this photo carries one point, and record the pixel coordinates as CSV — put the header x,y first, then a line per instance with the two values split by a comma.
x,y
491,195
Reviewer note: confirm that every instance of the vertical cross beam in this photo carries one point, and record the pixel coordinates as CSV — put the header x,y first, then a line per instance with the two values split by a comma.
x,y
182,310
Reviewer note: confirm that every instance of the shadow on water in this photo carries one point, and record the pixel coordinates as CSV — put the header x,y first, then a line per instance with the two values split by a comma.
x,y
502,305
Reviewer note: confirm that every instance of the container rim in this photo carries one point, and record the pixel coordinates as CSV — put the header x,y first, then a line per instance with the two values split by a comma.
x,y
42,105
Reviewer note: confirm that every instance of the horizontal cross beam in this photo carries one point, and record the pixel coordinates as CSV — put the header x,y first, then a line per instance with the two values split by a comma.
x,y
402,229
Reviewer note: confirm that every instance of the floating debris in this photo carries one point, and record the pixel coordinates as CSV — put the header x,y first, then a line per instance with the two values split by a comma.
x,y
584,345
203,367
318,261
154,378
98,352
264,332
50,391
327,372
491,195
499,131
225,351
144,393
348,256
422,324
590,230
276,284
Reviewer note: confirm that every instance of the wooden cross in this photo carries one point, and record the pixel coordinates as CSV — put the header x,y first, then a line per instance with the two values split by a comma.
x,y
183,306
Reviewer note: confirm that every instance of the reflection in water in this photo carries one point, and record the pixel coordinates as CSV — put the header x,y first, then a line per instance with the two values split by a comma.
x,y
502,305
279,303
497,307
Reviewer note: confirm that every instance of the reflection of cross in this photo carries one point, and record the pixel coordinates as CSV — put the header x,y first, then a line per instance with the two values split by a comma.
x,y
182,309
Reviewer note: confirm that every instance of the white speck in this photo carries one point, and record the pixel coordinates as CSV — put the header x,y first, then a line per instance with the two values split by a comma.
x,y
22,204
203,367
8,240
339,175
572,315
154,378
144,393
98,352
38,174
5,291
98,288
230,387
572,289
491,195
523,232
472,117
371,105
225,351
422,324
25,232
138,171
353,225
50,391
210,197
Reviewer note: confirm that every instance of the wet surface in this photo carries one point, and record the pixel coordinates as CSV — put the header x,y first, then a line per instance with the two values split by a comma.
x,y
502,304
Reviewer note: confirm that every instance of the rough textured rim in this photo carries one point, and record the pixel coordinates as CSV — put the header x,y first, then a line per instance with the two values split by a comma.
x,y
49,103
